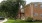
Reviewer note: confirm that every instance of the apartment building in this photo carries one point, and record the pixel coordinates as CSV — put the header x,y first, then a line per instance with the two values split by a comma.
x,y
21,14
34,10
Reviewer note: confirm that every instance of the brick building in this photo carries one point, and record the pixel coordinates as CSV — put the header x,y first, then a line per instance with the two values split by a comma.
x,y
34,10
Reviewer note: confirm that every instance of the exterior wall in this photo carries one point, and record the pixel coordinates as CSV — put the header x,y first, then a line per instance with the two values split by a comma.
x,y
27,11
31,6
37,10
30,10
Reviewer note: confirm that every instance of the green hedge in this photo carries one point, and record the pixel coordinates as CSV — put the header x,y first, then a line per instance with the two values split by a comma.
x,y
29,19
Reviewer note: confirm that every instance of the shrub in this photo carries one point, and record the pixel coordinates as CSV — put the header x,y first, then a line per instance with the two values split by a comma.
x,y
29,19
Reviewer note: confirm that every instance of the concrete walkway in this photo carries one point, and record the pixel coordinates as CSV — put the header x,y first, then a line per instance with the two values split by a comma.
x,y
2,21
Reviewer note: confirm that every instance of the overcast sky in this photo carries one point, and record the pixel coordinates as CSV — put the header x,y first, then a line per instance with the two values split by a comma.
x,y
28,1
1,1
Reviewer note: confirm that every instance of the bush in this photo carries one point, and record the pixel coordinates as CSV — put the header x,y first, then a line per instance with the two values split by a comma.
x,y
38,20
29,19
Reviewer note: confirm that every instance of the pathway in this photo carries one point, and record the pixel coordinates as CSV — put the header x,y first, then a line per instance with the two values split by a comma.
x,y
1,21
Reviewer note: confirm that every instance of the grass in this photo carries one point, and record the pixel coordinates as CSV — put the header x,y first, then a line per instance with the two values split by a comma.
x,y
19,21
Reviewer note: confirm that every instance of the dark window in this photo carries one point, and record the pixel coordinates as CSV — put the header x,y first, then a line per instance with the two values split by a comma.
x,y
35,5
41,15
35,14
41,6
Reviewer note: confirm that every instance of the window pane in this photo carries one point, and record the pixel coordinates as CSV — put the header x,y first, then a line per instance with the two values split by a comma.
x,y
41,15
35,14
41,6
35,5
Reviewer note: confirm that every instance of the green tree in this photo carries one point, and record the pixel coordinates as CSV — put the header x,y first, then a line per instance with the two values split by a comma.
x,y
11,7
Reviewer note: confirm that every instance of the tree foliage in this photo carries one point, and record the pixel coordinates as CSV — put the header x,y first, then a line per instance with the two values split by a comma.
x,y
11,7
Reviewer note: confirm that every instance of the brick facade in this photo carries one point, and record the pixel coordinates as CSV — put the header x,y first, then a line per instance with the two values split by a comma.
x,y
34,11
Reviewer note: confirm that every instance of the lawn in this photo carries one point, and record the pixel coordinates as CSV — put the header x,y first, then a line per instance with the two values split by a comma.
x,y
19,21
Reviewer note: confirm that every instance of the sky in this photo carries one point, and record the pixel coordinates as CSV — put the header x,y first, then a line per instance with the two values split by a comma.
x,y
28,1
1,1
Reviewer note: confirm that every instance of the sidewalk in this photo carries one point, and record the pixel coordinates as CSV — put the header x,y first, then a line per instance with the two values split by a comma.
x,y
2,21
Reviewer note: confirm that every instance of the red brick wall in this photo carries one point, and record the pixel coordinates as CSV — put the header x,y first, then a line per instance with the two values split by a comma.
x,y
28,11
39,11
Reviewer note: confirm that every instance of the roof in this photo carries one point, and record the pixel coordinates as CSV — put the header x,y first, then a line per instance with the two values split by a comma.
x,y
32,3
36,2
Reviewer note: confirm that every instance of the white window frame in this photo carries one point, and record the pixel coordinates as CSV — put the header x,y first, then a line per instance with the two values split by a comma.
x,y
22,10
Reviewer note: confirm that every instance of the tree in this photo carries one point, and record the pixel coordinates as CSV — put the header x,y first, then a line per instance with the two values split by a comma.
x,y
11,7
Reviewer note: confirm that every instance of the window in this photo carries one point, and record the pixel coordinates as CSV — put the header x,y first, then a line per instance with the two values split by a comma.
x,y
41,6
35,14
41,15
35,5
22,10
